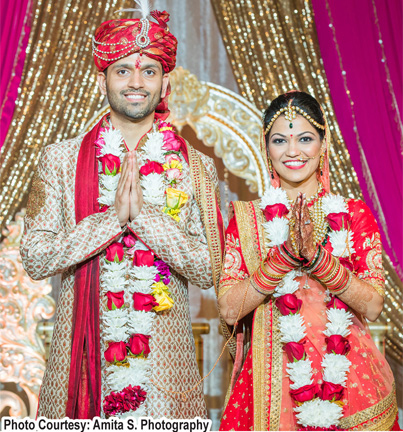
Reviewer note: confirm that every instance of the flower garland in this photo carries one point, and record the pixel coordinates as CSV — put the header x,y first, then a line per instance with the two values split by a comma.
x,y
161,169
318,407
130,308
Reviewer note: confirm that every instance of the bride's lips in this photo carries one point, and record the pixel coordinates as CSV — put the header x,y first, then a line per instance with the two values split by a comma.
x,y
295,164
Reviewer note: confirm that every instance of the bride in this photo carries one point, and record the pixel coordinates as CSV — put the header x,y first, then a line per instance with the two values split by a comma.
x,y
302,275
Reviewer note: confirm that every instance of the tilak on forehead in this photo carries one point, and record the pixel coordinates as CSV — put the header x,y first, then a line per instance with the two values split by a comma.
x,y
119,38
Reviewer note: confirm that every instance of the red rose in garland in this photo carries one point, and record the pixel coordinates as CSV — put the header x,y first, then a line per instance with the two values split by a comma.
x,y
275,210
139,344
143,258
337,344
294,351
331,392
305,393
115,252
338,221
288,304
116,352
115,300
151,167
110,164
143,302
336,303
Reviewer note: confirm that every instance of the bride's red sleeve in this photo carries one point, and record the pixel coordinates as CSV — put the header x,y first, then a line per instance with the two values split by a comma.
x,y
234,268
367,258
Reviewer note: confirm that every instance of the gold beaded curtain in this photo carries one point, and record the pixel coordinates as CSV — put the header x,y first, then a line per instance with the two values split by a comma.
x,y
273,48
58,91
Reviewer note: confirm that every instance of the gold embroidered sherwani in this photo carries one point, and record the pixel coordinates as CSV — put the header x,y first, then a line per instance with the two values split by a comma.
x,y
53,243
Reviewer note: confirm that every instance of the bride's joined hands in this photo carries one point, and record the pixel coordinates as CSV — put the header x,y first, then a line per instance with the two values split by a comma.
x,y
303,230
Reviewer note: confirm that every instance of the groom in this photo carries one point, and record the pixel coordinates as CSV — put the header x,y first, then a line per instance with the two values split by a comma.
x,y
128,215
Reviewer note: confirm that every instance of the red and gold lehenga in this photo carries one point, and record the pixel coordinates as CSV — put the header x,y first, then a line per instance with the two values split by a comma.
x,y
260,398
259,395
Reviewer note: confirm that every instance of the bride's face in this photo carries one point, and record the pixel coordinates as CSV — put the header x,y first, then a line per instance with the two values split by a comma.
x,y
291,150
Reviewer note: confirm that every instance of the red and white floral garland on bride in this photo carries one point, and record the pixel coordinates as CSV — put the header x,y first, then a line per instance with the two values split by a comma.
x,y
318,407
127,322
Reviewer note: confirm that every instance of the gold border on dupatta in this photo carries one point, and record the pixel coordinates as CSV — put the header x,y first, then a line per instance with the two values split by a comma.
x,y
205,196
206,199
379,417
267,353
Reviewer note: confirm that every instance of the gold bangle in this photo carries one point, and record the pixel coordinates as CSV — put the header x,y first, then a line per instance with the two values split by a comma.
x,y
265,272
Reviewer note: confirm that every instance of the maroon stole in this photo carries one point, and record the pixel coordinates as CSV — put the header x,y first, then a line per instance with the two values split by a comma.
x,y
84,391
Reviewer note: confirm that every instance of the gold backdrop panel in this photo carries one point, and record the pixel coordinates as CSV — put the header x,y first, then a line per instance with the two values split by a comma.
x,y
51,105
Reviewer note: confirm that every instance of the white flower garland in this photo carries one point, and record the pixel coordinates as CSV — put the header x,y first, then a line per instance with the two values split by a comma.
x,y
120,324
317,412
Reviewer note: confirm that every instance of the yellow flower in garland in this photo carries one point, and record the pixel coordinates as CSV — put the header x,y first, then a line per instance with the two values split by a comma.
x,y
176,199
173,164
161,295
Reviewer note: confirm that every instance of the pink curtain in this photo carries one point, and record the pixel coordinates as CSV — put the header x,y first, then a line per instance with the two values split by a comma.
x,y
15,21
361,46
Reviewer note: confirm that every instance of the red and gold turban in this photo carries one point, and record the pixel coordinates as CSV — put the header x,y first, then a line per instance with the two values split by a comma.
x,y
116,39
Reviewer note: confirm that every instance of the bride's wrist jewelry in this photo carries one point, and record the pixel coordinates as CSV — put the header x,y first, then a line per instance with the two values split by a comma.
x,y
272,270
330,272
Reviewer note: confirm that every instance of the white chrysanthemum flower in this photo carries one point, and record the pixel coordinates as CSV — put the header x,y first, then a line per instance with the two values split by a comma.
x,y
120,377
342,243
112,267
338,323
319,413
140,322
114,284
336,367
154,188
334,204
276,231
116,318
113,274
288,285
144,272
141,286
107,198
113,140
152,148
274,196
109,182
292,328
116,334
300,373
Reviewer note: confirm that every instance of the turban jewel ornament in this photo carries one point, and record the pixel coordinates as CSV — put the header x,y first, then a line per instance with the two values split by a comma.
x,y
119,38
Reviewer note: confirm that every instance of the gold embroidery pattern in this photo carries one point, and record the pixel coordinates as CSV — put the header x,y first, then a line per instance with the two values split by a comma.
x,y
375,274
267,351
248,234
37,197
379,417
276,372
260,382
206,199
231,273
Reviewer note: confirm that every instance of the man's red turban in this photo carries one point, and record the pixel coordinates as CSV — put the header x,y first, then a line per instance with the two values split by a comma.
x,y
116,39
